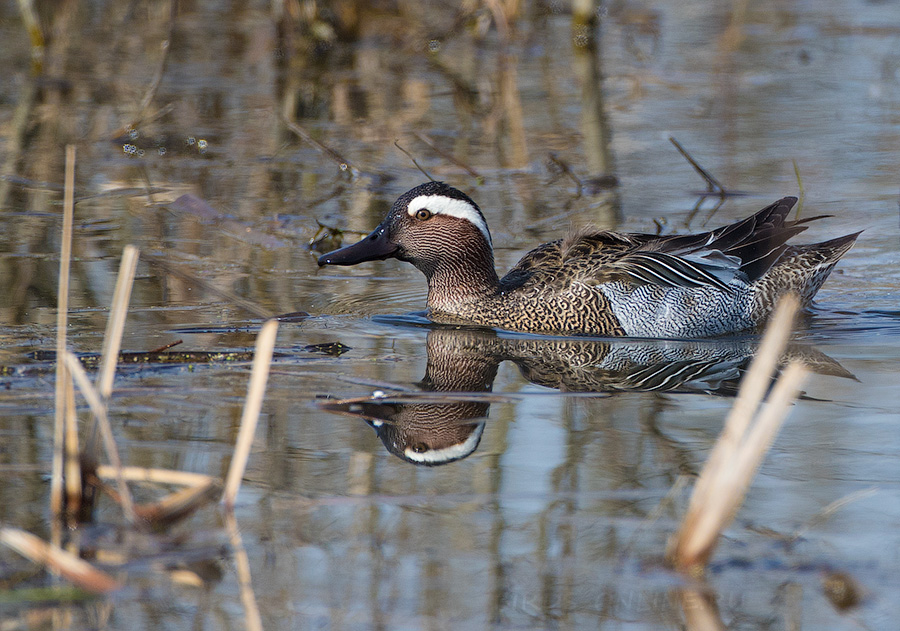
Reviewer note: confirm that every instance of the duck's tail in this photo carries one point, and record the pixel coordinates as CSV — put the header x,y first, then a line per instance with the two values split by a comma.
x,y
801,270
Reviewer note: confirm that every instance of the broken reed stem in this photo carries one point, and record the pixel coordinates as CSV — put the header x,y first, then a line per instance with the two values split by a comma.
x,y
98,409
57,560
112,343
62,312
112,340
752,390
749,431
242,564
262,358
198,490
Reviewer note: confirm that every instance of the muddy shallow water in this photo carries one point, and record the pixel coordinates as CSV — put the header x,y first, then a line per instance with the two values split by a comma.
x,y
557,511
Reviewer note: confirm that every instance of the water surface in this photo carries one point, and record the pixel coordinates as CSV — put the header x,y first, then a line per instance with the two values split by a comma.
x,y
559,515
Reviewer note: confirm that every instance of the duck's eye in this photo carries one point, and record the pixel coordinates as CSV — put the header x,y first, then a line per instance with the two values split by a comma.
x,y
420,448
423,214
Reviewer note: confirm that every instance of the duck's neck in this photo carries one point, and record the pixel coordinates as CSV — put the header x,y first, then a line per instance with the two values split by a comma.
x,y
462,284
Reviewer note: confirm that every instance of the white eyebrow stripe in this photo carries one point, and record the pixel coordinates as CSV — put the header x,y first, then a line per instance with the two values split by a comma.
x,y
442,205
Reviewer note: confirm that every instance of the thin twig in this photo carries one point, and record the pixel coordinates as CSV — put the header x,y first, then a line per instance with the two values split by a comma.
x,y
712,184
413,160
567,170
245,304
262,358
62,312
98,408
160,70
446,155
342,162
826,513
165,347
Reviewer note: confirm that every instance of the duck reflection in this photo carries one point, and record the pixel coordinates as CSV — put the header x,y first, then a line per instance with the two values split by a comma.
x,y
443,420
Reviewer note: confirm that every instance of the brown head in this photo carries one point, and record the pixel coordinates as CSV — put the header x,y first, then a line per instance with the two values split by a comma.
x,y
441,231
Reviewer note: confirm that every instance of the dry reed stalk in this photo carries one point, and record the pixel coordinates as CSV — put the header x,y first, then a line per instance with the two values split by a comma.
x,y
62,312
156,476
112,340
242,564
262,358
199,490
178,505
98,409
33,25
57,560
112,343
749,432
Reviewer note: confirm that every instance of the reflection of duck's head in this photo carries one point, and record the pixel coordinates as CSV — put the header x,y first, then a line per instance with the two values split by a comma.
x,y
444,419
427,434
430,444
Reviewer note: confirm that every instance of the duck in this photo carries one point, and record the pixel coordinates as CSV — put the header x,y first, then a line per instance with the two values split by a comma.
x,y
600,282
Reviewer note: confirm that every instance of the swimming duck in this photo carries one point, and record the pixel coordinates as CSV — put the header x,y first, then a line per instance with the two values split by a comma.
x,y
598,282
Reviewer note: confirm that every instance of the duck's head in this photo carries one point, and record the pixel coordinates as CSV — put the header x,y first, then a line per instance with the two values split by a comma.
x,y
432,226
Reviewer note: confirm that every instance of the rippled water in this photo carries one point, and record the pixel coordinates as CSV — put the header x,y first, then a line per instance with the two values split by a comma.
x,y
558,515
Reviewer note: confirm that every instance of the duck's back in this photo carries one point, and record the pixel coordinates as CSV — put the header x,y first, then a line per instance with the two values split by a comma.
x,y
700,285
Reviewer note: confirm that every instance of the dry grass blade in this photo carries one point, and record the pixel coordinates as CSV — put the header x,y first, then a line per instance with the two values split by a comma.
x,y
262,358
748,434
66,564
98,408
62,312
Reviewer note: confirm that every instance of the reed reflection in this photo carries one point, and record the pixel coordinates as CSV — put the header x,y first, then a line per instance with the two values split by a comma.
x,y
444,419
